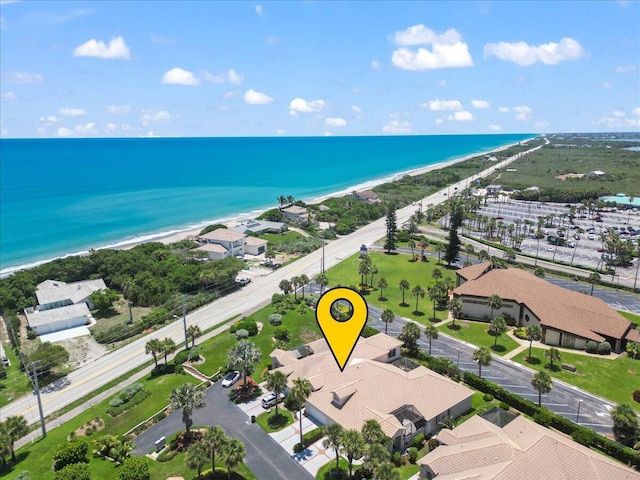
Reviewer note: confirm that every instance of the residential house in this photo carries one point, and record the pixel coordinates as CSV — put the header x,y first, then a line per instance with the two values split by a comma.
x,y
258,227
404,397
223,243
296,214
515,448
567,318
368,196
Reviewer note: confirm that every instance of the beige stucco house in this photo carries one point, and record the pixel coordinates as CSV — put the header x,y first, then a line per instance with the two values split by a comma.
x,y
223,243
567,318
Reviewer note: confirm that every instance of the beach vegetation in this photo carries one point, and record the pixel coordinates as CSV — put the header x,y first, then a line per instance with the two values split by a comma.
x,y
211,228
103,299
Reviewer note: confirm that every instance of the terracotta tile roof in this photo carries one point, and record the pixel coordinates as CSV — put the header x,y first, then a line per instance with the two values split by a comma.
x,y
536,453
254,241
556,307
222,235
474,271
633,335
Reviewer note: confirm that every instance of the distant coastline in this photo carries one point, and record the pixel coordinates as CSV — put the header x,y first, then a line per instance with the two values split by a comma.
x,y
181,232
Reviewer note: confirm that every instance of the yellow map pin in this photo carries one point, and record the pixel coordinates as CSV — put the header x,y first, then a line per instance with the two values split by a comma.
x,y
341,335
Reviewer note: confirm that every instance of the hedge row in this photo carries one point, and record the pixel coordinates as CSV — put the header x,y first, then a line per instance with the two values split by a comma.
x,y
543,416
133,401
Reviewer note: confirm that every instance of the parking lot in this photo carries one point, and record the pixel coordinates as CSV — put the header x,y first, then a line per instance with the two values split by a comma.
x,y
584,250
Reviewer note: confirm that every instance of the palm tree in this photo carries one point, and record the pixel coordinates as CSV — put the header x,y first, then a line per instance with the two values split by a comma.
x,y
431,333
234,452
375,455
436,274
300,392
455,307
553,354
5,447
168,346
281,201
386,471
187,398
372,432
382,284
625,423
364,269
483,356
374,271
541,382
494,302
352,447
196,457
423,246
304,280
242,356
387,317
334,434
15,427
412,244
127,290
498,327
579,231
404,285
435,293
594,277
539,272
469,250
322,280
483,255
285,286
153,347
277,383
213,441
417,292
295,281
193,331
534,332
440,248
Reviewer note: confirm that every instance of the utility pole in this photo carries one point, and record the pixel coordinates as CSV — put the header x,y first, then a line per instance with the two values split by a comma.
x,y
184,324
37,388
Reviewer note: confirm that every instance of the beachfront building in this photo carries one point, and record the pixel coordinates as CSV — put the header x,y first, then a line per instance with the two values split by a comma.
x,y
62,305
258,227
503,446
223,243
296,214
368,196
567,318
404,397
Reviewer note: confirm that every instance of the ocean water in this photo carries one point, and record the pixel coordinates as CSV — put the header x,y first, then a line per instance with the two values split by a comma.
x,y
65,196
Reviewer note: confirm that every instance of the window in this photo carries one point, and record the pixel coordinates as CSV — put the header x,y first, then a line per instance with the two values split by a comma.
x,y
526,317
392,353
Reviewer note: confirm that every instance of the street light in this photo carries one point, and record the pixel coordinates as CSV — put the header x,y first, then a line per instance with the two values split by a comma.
x,y
578,414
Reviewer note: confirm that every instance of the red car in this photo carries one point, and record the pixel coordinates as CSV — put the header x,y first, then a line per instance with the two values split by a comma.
x,y
499,218
601,250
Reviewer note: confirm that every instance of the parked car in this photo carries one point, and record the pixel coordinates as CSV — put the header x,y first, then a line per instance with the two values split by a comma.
x,y
269,400
276,265
243,281
591,237
230,378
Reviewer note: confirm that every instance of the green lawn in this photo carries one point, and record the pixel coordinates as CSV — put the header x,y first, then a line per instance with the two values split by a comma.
x,y
285,418
119,315
477,334
406,471
37,457
278,238
394,268
615,380
632,317
303,328
16,384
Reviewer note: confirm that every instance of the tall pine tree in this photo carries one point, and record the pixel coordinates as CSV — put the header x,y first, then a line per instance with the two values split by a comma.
x,y
390,242
453,247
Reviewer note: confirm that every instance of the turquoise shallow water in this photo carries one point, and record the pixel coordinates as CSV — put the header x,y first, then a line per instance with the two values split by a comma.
x,y
68,195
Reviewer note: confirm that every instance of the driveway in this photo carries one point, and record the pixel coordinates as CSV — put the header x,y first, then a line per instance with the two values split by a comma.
x,y
265,457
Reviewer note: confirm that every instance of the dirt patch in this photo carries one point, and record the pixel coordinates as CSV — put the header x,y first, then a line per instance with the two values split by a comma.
x,y
569,175
89,428
632,371
82,350
307,335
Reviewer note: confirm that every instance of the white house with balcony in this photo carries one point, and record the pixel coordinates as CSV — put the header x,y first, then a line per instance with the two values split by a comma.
x,y
223,243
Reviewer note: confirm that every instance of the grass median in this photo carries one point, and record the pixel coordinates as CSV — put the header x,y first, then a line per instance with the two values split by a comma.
x,y
477,333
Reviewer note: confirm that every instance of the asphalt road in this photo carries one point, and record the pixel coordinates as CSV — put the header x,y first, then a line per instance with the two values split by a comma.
x,y
563,399
111,366
264,456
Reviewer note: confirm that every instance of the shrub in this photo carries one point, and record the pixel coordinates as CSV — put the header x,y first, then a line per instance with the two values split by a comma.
x,y
521,333
275,319
313,436
487,397
368,331
181,357
127,402
68,453
116,401
167,455
241,333
592,347
543,418
161,416
418,441
134,468
194,354
281,333
584,436
604,348
413,455
432,443
636,396
248,324
397,459
75,471
298,448
504,406
31,334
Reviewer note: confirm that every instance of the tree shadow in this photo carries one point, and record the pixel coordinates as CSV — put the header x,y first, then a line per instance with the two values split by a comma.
x,y
553,368
382,299
533,360
499,348
403,304
418,313
391,253
452,327
277,421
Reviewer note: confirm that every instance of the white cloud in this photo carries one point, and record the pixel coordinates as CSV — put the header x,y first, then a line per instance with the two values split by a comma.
x,y
280,131
41,130
301,105
356,108
151,115
495,128
125,127
606,85
447,49
230,76
480,104
110,127
618,113
396,126
335,122
522,112
524,54
541,124
259,10
88,129
462,116
636,111
503,109
442,83
48,121
375,64
117,49
257,98
327,133
439,105
22,77
617,122
8,96
439,121
118,109
65,132
231,94
179,76
626,68
73,112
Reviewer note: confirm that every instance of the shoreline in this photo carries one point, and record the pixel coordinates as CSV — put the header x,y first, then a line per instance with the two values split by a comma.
x,y
180,233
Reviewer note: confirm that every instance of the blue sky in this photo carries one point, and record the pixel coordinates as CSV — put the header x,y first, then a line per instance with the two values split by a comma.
x,y
110,69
